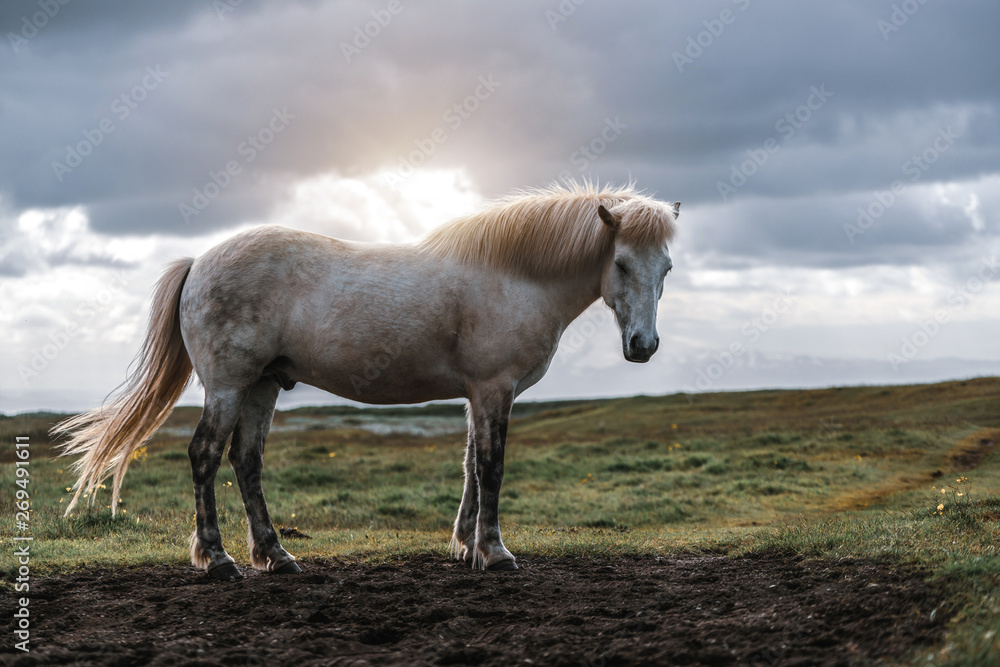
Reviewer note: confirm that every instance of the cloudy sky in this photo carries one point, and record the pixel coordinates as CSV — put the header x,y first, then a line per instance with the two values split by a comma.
x,y
838,164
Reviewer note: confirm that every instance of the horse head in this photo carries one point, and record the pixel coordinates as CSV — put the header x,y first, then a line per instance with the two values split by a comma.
x,y
632,282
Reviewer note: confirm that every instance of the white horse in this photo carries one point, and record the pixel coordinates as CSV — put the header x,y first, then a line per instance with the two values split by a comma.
x,y
473,310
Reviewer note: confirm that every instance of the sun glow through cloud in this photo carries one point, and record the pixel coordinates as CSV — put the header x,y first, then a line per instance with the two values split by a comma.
x,y
369,209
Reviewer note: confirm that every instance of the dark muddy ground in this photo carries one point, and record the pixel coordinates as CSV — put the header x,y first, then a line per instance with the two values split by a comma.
x,y
770,609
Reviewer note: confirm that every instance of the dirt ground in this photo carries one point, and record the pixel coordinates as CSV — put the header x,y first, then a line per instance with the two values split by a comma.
x,y
771,609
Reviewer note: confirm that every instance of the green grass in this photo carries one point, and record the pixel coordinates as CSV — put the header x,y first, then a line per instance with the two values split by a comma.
x,y
824,473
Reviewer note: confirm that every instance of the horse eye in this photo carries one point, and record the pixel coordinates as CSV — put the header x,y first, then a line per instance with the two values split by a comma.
x,y
621,267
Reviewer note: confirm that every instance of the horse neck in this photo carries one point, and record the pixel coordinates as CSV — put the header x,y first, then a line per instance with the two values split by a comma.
x,y
578,292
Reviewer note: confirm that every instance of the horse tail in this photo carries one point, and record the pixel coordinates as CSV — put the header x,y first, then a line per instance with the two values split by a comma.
x,y
108,437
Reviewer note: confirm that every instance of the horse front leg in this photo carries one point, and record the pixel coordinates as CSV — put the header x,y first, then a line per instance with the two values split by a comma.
x,y
463,539
490,415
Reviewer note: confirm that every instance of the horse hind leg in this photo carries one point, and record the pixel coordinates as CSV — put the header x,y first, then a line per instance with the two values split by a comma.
x,y
246,455
205,451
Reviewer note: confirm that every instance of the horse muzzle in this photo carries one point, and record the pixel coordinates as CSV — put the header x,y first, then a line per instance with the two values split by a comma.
x,y
638,348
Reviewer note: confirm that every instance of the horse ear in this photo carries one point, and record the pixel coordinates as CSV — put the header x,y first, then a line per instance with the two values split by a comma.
x,y
608,217
677,209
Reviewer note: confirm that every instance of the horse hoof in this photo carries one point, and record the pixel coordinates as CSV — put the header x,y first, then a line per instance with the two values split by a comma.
x,y
291,567
226,572
502,566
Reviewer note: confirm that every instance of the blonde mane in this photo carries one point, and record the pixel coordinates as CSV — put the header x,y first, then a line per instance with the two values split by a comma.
x,y
552,231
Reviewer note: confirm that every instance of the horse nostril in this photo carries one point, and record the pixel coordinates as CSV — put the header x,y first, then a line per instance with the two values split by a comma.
x,y
656,344
633,343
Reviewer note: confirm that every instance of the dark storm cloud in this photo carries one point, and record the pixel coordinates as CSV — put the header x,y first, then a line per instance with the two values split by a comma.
x,y
75,20
827,231
688,114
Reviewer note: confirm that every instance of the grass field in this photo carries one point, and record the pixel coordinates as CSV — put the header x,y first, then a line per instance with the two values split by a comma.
x,y
903,474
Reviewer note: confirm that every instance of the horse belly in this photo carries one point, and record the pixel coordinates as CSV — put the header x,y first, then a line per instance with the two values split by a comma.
x,y
378,351
387,374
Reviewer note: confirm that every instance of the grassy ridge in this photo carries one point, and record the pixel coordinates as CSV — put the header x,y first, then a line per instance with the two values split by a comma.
x,y
851,471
